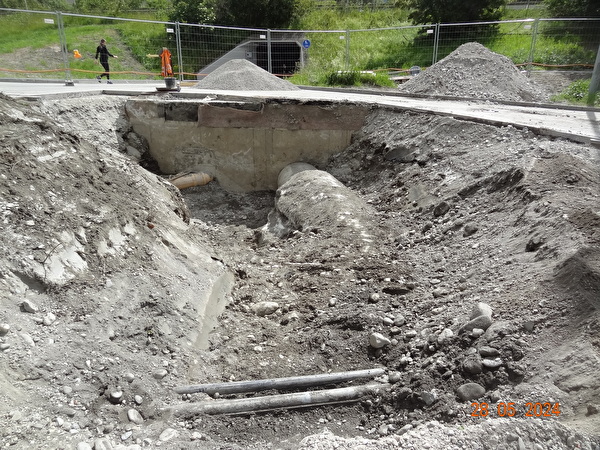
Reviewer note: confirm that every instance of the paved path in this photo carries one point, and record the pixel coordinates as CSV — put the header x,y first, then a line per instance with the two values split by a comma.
x,y
579,124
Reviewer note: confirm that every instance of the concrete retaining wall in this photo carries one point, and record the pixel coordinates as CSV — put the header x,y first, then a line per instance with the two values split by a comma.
x,y
243,144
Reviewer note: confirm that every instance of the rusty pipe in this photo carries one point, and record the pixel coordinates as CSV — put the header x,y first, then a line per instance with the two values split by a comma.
x,y
190,180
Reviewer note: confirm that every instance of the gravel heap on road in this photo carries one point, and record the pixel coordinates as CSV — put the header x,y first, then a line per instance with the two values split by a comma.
x,y
474,71
242,75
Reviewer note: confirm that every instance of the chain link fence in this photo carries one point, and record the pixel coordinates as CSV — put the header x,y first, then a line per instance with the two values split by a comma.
x,y
196,50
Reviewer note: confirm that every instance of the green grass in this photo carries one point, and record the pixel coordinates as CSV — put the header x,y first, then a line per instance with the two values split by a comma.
x,y
578,94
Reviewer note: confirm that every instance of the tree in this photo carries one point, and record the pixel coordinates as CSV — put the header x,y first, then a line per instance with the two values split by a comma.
x,y
256,13
453,11
573,8
193,11
106,7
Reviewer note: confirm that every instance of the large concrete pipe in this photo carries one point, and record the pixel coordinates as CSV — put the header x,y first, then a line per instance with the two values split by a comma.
x,y
308,198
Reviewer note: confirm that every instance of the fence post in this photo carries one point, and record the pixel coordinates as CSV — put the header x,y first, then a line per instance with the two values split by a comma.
x,y
63,49
595,83
436,43
534,32
347,38
269,61
179,54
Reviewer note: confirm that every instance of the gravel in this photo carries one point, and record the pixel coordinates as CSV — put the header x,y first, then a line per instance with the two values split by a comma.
x,y
242,75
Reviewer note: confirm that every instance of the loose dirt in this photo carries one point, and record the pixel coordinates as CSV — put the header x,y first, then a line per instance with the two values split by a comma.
x,y
473,71
475,284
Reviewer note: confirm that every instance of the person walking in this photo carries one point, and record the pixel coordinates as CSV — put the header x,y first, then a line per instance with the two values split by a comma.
x,y
103,52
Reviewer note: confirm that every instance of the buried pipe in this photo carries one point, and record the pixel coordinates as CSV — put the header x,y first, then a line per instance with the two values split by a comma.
x,y
237,387
190,180
272,402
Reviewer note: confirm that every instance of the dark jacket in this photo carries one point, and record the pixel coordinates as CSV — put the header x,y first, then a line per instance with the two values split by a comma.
x,y
104,53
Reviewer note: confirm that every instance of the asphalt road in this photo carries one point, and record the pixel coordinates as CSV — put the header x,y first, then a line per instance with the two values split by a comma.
x,y
575,123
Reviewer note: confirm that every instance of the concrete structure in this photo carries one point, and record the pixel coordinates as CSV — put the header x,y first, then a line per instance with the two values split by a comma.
x,y
244,144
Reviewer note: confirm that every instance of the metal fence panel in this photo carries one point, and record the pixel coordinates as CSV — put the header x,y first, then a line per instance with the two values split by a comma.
x,y
28,55
566,44
394,48
509,38
196,50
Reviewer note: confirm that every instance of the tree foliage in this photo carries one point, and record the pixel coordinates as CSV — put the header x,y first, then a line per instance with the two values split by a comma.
x,y
573,8
452,11
107,7
255,13
193,11
239,13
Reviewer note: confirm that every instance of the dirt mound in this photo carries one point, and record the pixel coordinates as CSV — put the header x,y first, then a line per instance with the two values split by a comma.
x,y
242,75
474,71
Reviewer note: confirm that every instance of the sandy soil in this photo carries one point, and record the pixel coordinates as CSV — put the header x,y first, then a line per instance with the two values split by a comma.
x,y
464,260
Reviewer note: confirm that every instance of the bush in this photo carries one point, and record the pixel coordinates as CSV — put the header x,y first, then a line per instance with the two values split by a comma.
x,y
357,78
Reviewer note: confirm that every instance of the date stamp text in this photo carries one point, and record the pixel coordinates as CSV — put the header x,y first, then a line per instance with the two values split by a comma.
x,y
512,409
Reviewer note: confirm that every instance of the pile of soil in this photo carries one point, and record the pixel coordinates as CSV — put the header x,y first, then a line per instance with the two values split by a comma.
x,y
242,75
473,71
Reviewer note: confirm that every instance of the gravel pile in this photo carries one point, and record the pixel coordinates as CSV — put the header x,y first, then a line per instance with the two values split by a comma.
x,y
474,71
242,75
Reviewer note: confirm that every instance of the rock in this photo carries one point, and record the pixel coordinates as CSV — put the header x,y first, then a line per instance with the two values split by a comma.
x,y
481,309
483,322
397,289
160,374
28,339
129,377
262,309
488,351
292,316
138,399
472,365
592,409
470,391
102,444
134,416
29,307
115,397
491,363
440,292
378,340
4,329
67,390
470,230
441,209
529,325
429,398
477,333
444,336
410,334
394,377
167,434
49,319
84,446
399,320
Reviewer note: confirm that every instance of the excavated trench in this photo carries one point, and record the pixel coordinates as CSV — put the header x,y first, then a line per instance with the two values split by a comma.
x,y
254,148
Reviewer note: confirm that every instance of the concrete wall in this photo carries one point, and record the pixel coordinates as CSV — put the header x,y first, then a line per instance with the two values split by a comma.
x,y
243,144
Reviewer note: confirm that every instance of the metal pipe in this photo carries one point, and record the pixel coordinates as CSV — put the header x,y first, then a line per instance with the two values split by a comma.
x,y
237,387
272,402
